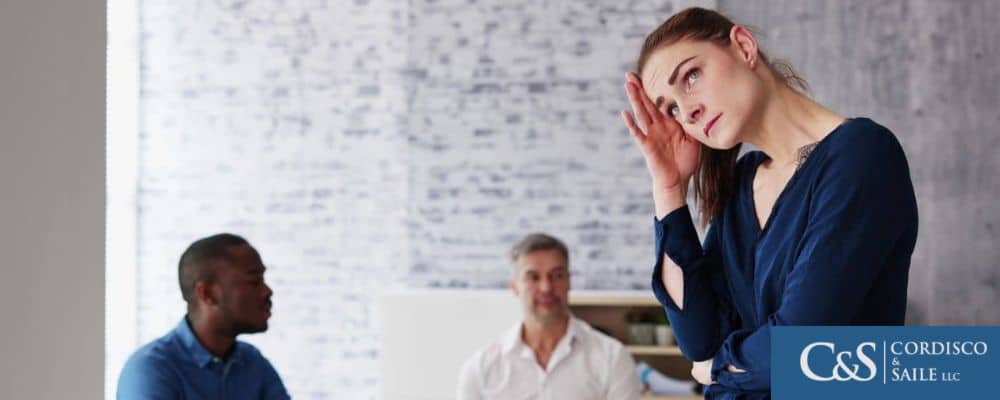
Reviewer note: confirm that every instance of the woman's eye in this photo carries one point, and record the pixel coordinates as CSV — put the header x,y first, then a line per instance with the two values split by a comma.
x,y
673,110
693,76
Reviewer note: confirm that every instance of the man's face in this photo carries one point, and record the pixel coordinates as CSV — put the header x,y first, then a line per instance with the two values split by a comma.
x,y
541,280
245,300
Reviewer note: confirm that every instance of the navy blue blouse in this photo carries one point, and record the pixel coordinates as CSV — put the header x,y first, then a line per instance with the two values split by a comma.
x,y
835,250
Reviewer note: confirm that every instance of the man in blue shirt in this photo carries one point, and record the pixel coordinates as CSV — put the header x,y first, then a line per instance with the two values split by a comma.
x,y
222,281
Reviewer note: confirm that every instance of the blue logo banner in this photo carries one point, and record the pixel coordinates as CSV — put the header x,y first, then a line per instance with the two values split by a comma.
x,y
882,362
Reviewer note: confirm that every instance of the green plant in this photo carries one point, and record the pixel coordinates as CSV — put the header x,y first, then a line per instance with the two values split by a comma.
x,y
646,317
660,318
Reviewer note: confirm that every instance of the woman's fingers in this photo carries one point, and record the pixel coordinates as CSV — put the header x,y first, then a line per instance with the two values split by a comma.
x,y
646,102
634,130
676,132
654,114
651,114
632,77
650,120
702,372
637,106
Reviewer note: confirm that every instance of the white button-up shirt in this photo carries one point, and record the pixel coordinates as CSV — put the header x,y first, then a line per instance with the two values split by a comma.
x,y
585,365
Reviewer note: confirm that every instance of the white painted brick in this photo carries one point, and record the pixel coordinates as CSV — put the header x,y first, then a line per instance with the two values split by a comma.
x,y
362,145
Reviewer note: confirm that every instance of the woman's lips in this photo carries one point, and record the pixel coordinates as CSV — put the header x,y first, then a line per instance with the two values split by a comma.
x,y
710,124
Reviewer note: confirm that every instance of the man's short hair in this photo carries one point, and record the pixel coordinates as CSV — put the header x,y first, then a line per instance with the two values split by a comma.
x,y
535,242
195,264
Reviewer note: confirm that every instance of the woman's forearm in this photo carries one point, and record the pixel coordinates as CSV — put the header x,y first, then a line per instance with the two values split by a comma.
x,y
665,201
673,281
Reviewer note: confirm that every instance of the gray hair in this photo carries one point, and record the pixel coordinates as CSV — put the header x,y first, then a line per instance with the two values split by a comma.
x,y
535,242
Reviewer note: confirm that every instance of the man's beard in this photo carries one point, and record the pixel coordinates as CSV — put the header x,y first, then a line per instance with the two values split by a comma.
x,y
250,328
236,326
550,315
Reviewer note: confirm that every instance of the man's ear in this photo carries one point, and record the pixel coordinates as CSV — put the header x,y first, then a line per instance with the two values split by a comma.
x,y
515,276
205,293
745,44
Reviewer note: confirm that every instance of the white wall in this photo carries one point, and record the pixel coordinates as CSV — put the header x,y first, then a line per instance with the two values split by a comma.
x,y
926,70
427,334
362,146
52,199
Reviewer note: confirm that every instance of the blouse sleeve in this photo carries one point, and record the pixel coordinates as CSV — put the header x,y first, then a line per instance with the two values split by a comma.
x,y
862,206
706,316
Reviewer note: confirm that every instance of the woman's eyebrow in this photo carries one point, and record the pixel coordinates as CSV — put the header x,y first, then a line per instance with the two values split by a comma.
x,y
670,81
673,75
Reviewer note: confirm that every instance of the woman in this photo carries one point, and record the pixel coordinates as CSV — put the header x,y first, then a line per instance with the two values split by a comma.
x,y
817,228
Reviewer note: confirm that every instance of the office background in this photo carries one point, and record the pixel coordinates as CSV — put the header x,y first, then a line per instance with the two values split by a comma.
x,y
371,145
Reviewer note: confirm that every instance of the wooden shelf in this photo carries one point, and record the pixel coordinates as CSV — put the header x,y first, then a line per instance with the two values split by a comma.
x,y
609,311
615,299
654,350
612,301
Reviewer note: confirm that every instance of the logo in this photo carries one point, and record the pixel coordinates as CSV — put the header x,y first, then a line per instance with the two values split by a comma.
x,y
884,362
845,368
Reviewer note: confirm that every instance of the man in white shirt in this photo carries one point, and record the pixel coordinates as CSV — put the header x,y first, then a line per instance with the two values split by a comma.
x,y
550,355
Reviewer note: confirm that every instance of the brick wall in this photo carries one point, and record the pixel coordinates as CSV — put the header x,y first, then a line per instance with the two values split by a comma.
x,y
368,145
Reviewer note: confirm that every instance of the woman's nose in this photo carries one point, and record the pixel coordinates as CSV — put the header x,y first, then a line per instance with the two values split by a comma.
x,y
694,114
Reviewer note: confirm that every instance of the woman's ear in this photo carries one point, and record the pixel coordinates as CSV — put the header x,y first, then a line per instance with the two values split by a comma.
x,y
744,44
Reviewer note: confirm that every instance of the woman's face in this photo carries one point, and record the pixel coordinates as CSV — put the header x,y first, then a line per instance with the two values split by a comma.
x,y
711,90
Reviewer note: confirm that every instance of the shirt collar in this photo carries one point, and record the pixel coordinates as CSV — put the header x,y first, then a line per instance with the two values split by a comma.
x,y
201,356
511,340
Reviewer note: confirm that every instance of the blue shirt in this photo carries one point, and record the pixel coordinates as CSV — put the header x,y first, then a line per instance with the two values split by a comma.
x,y
177,366
835,250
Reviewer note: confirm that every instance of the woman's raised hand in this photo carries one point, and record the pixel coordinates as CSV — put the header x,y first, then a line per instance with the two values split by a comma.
x,y
671,155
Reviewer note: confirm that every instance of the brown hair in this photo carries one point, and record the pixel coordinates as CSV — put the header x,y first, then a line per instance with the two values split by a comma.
x,y
715,175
